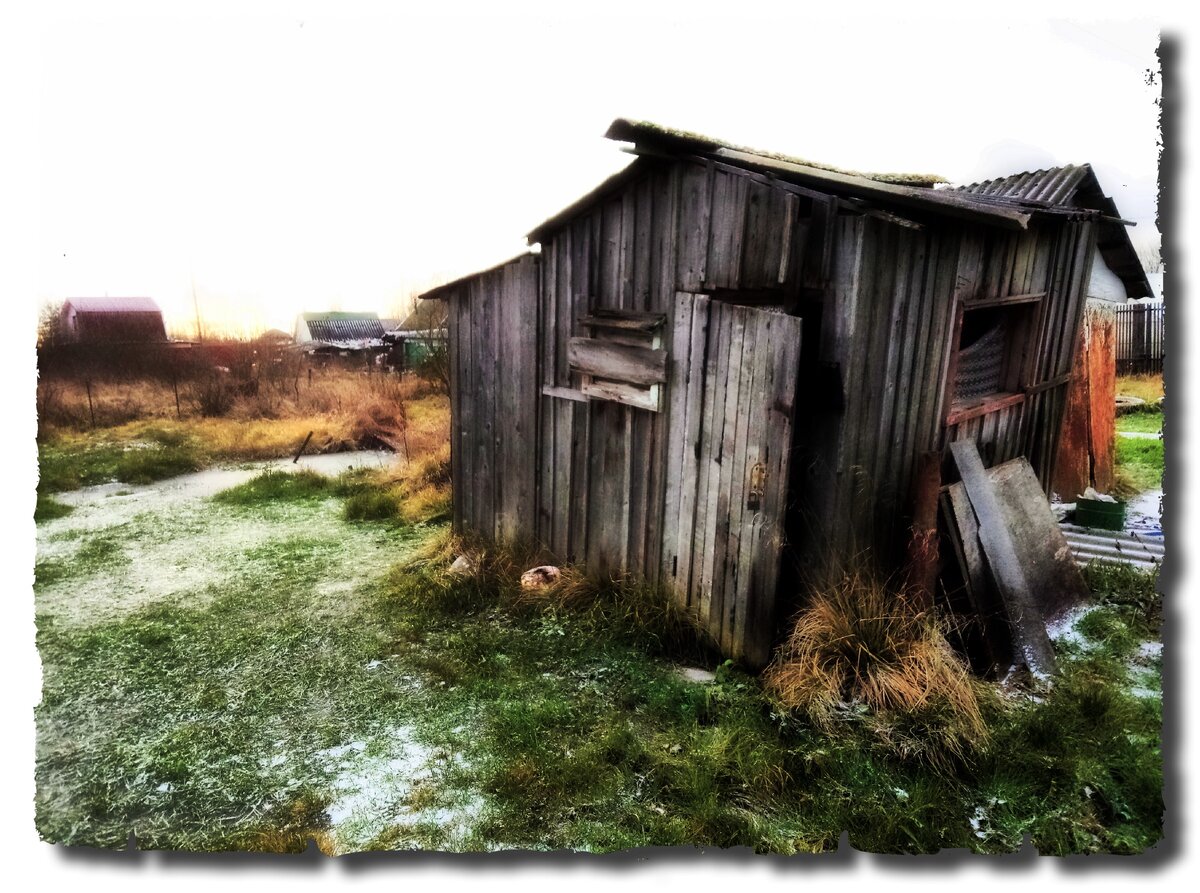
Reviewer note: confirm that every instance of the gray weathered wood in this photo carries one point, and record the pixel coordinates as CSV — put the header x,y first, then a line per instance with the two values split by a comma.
x,y
1029,627
618,362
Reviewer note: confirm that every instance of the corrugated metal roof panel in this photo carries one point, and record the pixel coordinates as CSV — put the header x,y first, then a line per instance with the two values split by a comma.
x,y
1055,186
1072,186
341,326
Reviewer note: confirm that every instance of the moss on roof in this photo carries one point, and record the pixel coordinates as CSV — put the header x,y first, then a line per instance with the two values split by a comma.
x,y
625,130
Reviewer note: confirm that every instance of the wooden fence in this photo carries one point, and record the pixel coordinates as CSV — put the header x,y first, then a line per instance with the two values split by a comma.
x,y
1140,330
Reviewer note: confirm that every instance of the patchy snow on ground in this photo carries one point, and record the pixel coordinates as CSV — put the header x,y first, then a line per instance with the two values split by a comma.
x,y
395,781
1063,629
158,527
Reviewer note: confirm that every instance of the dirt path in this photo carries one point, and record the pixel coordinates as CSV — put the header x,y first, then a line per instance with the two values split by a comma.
x,y
167,539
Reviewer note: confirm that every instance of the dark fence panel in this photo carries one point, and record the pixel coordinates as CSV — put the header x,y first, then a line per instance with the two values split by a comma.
x,y
1140,329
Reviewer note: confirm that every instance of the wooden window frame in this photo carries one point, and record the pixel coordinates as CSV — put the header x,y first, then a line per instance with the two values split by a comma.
x,y
1017,358
621,359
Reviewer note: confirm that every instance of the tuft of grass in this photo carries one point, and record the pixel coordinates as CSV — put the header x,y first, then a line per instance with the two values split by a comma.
x,y
48,508
96,553
274,485
429,505
372,505
1134,593
860,642
144,466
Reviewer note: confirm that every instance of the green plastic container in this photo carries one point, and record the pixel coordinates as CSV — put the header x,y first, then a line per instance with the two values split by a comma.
x,y
1097,513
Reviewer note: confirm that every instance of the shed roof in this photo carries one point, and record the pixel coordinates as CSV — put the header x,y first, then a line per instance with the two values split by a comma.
x,y
1074,186
647,132
902,190
341,326
112,305
442,291
423,318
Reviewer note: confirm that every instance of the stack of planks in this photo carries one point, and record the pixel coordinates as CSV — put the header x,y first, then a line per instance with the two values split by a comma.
x,y
1015,562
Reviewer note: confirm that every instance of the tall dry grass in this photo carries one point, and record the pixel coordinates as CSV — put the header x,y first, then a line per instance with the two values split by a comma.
x,y
866,651
1148,386
343,408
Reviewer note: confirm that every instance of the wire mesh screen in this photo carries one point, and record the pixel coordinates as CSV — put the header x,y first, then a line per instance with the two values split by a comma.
x,y
981,365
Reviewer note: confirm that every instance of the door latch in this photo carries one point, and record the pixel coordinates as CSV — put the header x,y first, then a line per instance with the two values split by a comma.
x,y
758,485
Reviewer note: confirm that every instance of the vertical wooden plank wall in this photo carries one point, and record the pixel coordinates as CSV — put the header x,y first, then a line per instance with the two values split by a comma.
x,y
607,484
493,324
680,227
888,334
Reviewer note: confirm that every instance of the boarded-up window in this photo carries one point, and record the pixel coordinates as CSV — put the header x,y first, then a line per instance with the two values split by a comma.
x,y
622,359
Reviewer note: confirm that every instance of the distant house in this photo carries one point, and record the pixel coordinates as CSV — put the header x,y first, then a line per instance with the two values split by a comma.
x,y
274,337
111,321
339,332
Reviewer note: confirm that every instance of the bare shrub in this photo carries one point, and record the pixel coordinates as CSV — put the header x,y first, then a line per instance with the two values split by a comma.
x,y
212,395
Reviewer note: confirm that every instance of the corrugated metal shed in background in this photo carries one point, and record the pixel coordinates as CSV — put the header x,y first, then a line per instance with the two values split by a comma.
x,y
339,328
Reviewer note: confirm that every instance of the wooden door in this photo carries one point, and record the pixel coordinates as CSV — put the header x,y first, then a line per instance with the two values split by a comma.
x,y
731,394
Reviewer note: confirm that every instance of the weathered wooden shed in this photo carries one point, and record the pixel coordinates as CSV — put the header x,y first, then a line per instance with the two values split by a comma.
x,y
724,364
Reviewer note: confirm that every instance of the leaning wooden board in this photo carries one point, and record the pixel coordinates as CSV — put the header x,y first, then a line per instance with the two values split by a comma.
x,y
1009,553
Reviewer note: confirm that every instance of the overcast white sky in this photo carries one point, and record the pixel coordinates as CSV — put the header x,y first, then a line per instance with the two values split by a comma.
x,y
298,161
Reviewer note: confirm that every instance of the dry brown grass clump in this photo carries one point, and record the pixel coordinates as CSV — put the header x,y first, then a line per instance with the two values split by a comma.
x,y
1148,386
862,650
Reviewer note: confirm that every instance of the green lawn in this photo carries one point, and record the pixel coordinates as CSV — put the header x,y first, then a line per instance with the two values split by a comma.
x,y
1139,463
246,672
1142,420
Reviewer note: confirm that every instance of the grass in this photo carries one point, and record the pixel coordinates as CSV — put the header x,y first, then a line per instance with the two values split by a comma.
x,y
1144,421
47,508
371,505
302,691
138,437
1132,593
95,553
1139,465
1148,387
273,485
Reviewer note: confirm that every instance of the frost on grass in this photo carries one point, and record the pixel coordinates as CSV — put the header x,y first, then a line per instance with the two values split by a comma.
x,y
180,545
1063,629
394,783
